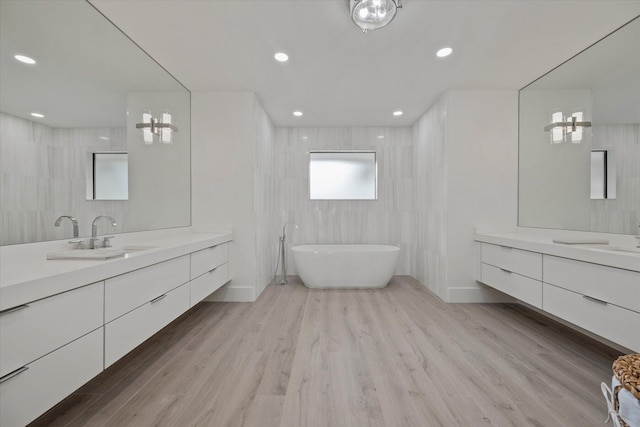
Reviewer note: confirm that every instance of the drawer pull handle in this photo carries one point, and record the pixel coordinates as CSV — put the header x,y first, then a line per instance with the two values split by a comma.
x,y
12,309
594,299
158,298
506,271
506,247
211,271
13,374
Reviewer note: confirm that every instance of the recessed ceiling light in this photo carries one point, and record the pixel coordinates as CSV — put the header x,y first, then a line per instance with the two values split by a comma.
x,y
397,113
104,138
297,113
25,59
281,57
305,137
445,51
38,115
380,136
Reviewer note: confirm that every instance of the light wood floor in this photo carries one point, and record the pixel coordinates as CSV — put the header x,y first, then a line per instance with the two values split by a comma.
x,y
392,357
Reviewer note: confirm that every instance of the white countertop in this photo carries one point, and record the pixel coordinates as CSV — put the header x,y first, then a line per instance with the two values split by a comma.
x,y
545,245
26,275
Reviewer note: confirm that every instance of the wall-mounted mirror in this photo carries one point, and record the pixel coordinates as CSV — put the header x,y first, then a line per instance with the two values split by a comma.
x,y
342,175
84,91
579,140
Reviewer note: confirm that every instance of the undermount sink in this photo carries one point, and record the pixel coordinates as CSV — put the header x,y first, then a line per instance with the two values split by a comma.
x,y
88,254
100,254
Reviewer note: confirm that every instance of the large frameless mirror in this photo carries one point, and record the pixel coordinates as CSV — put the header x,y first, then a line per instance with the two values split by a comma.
x,y
87,89
579,140
342,175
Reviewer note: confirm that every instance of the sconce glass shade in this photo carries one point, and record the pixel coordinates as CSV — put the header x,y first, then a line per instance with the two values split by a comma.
x,y
166,132
147,135
577,131
373,14
557,133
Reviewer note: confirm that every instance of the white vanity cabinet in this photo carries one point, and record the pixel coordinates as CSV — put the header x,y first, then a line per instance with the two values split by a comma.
x,y
52,344
140,303
209,271
513,271
598,298
48,349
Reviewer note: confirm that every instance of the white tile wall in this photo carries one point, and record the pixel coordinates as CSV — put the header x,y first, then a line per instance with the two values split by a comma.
x,y
285,181
620,215
43,177
430,234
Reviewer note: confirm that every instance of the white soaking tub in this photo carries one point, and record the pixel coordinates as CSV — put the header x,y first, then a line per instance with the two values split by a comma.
x,y
345,266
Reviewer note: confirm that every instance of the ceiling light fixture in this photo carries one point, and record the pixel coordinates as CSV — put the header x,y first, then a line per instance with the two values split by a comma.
x,y
281,57
373,14
445,51
25,59
297,113
398,113
38,115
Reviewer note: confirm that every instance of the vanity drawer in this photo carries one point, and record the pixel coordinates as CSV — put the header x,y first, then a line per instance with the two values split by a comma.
x,y
128,291
208,259
520,287
607,320
518,261
127,332
48,380
203,286
614,285
30,331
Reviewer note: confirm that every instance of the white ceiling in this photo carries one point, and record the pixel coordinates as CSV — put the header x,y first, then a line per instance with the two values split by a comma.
x,y
339,76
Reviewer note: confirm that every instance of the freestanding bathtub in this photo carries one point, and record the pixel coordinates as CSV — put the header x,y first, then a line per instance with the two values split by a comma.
x,y
345,266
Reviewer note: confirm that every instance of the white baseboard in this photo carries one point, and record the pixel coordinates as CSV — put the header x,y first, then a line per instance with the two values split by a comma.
x,y
232,294
478,294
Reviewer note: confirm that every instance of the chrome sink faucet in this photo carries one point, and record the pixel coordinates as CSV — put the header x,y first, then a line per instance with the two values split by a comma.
x,y
73,220
94,231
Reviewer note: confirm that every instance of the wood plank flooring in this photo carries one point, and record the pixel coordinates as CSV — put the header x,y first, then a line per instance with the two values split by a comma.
x,y
398,356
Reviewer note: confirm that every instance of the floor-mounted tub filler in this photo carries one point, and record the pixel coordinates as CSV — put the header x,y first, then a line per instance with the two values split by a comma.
x,y
345,266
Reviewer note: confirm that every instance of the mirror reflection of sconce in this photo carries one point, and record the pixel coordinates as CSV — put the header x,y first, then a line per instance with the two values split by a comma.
x,y
562,127
152,127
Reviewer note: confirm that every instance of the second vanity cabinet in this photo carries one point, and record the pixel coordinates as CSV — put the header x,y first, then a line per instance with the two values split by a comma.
x,y
601,299
52,346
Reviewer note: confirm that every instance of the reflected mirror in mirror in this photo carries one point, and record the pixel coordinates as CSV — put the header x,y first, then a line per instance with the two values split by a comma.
x,y
579,140
603,174
109,179
342,175
91,86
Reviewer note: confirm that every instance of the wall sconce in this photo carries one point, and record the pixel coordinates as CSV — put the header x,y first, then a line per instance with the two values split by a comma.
x,y
152,126
561,127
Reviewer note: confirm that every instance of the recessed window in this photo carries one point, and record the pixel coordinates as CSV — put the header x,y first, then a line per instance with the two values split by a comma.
x,y
342,175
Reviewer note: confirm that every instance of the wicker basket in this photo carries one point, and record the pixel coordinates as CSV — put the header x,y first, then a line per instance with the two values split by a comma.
x,y
627,371
625,389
